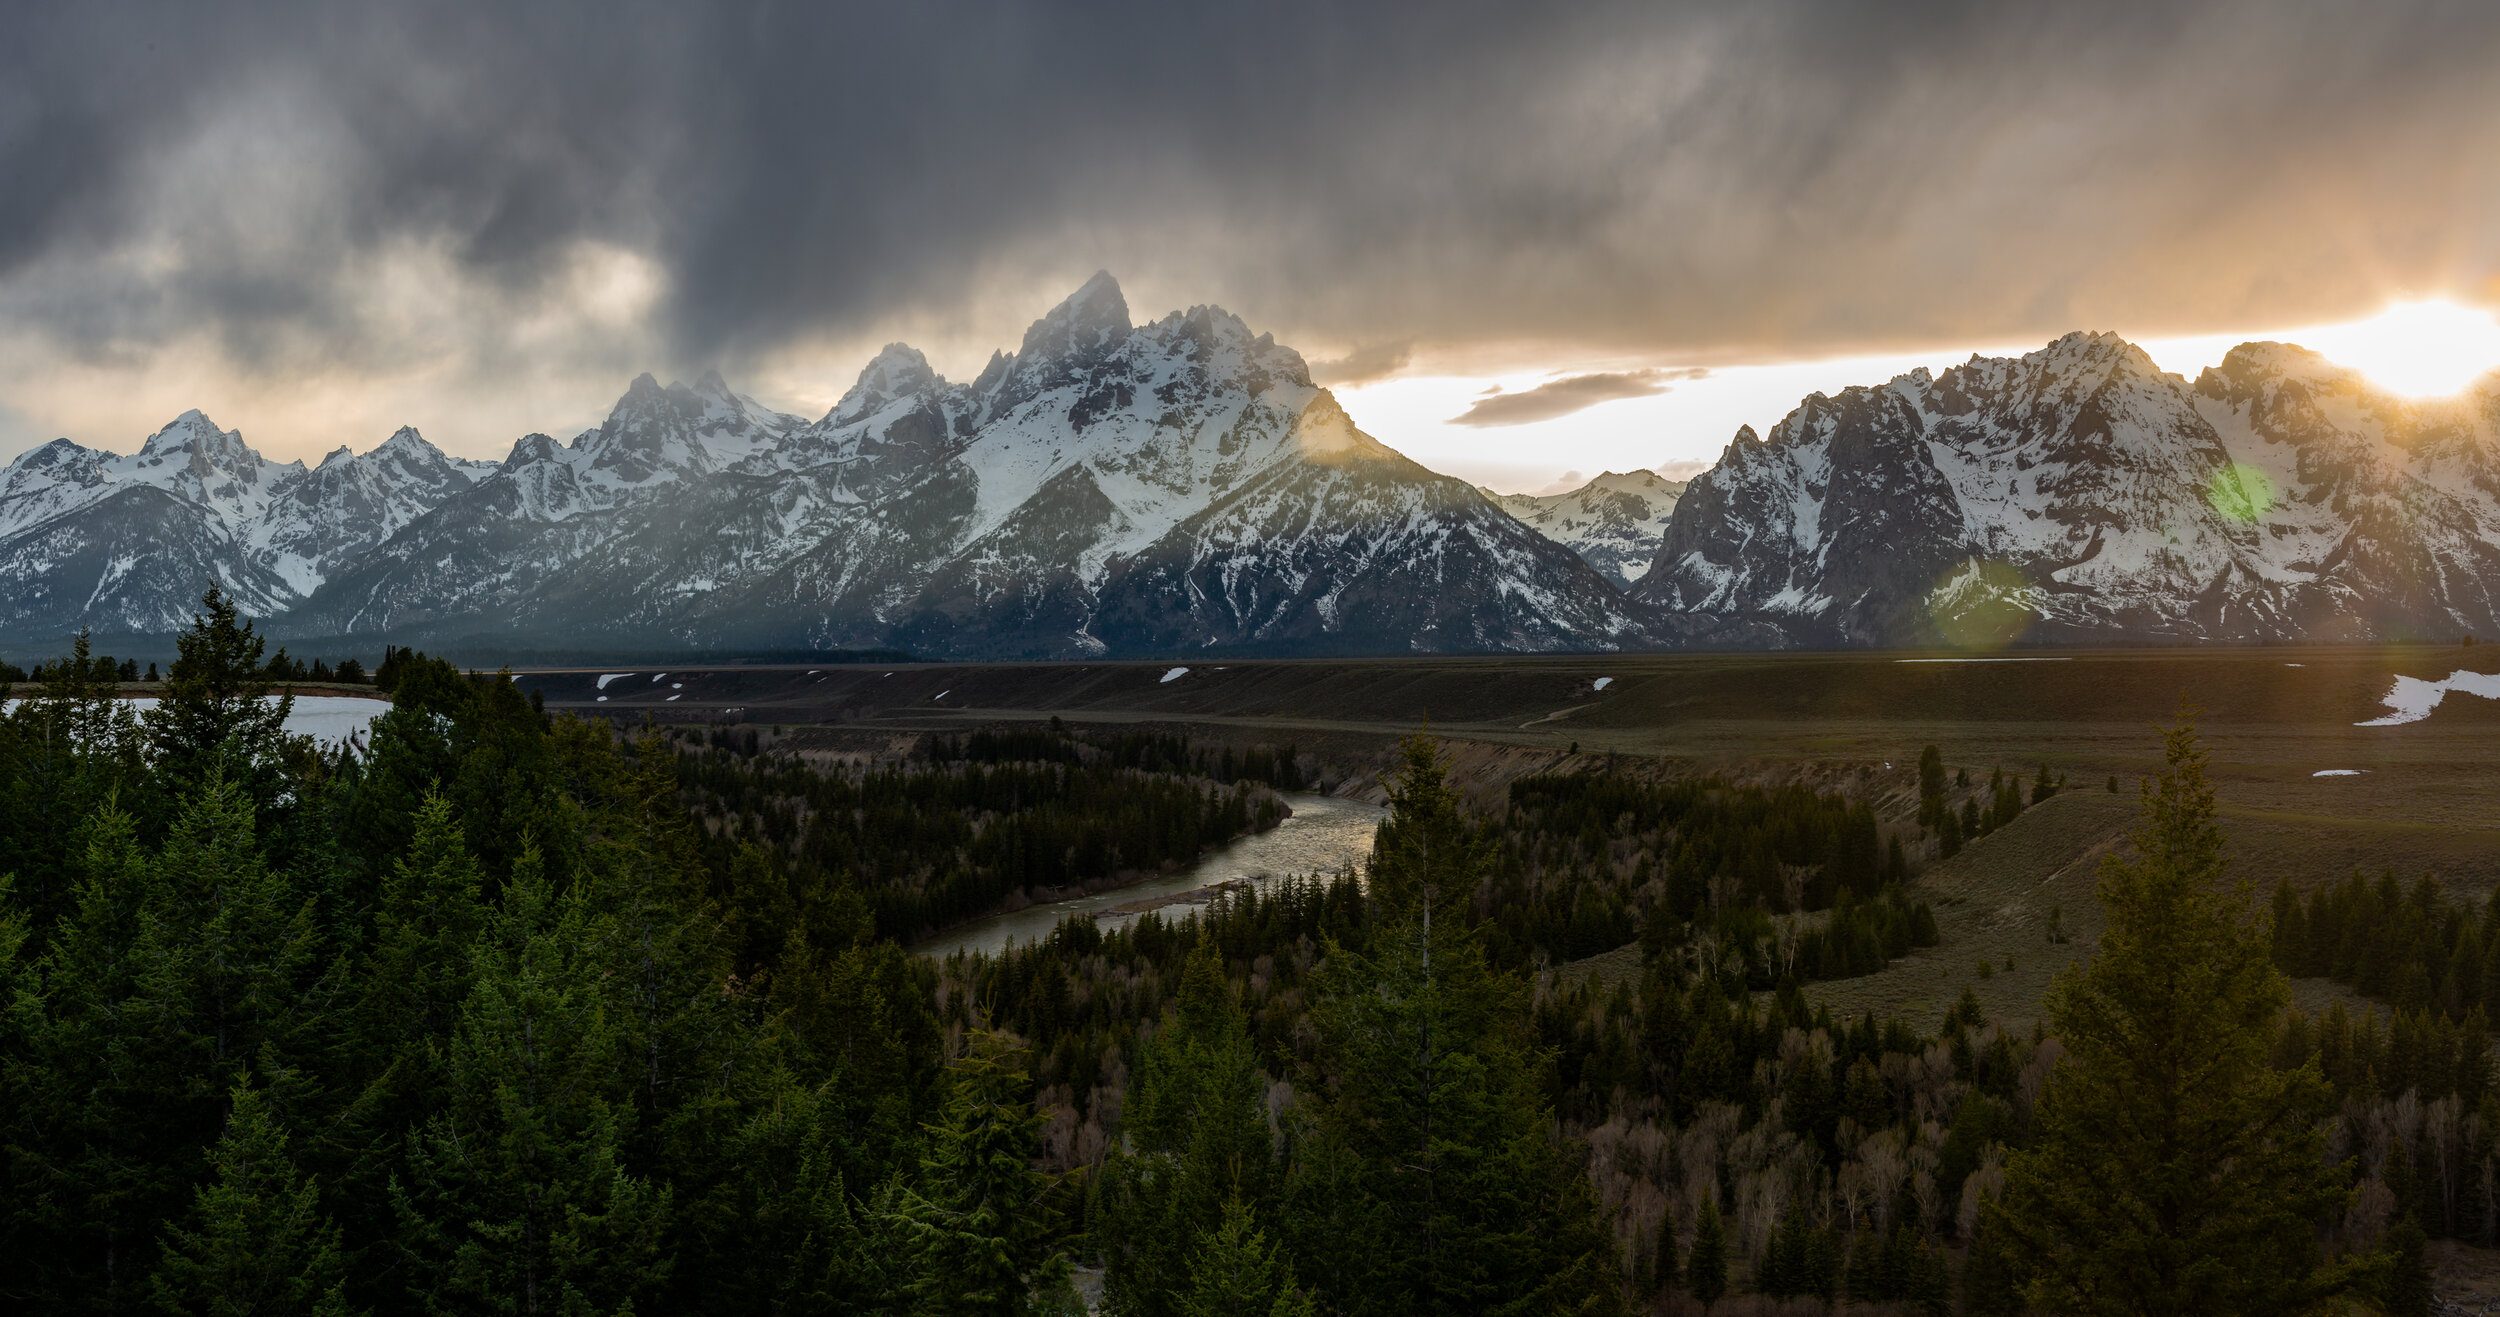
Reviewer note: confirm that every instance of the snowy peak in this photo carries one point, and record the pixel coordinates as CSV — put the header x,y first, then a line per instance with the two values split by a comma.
x,y
129,542
1614,522
1064,345
658,434
2080,492
1092,320
894,374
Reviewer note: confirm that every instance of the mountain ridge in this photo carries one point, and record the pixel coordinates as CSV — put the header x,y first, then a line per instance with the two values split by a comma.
x,y
1182,486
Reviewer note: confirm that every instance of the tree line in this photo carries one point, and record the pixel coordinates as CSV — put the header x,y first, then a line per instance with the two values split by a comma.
x,y
498,1012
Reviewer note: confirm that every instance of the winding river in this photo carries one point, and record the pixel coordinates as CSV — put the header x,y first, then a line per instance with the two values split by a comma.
x,y
1324,834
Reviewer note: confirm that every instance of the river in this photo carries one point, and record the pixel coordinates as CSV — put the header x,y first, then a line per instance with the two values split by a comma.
x,y
1324,834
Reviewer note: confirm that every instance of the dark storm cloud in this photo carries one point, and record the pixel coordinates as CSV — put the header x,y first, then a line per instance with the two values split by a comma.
x,y
1804,176
1572,393
1372,361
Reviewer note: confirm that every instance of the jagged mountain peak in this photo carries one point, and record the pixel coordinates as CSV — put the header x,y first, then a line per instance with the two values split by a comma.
x,y
193,433
534,448
898,371
1090,323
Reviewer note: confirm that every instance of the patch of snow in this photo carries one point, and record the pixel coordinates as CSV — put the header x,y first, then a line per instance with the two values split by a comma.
x,y
677,685
603,699
1175,674
2339,772
658,677
940,695
2412,698
1601,683
676,697
606,677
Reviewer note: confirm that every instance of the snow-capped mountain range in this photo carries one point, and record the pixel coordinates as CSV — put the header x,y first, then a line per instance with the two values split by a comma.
x,y
2081,494
1106,488
128,543
1112,488
1616,522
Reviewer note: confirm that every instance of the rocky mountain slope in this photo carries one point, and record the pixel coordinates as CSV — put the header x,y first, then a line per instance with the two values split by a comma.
x,y
1107,488
1615,522
2080,494
129,543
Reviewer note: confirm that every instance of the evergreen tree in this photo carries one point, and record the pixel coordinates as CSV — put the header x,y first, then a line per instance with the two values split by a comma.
x,y
96,1105
416,971
242,945
979,1221
1931,812
255,1242
70,751
2404,1284
1236,1274
2173,1170
1665,1268
517,1199
1434,1180
787,1236
216,705
1705,1271
1199,1145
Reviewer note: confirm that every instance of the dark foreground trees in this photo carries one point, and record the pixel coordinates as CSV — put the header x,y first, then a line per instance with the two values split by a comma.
x,y
2174,1170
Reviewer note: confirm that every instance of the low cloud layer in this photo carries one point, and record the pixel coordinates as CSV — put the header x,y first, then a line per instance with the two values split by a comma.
x,y
486,217
1572,393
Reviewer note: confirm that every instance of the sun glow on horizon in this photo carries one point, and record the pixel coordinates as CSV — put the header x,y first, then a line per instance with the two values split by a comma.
x,y
2424,349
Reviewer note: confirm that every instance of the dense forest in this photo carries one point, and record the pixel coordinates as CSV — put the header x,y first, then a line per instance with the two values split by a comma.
x,y
501,1011
968,823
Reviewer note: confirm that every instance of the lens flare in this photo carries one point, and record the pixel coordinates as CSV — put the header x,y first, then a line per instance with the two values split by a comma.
x,y
1982,605
2240,492
2419,349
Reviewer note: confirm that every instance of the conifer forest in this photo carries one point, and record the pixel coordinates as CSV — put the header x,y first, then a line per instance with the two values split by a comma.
x,y
497,1010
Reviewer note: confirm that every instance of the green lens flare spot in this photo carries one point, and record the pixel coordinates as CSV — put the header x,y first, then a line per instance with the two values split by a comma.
x,y
1982,605
2240,492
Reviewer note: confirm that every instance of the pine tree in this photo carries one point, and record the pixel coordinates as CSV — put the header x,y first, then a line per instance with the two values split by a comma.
x,y
1236,1274
416,971
2173,1170
979,1221
517,1199
216,705
1665,1268
243,944
2404,1283
97,1107
1705,1271
255,1241
1433,1179
788,1236
1199,1143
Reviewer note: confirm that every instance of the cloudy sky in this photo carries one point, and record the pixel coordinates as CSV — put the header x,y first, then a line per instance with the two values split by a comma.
x,y
1522,239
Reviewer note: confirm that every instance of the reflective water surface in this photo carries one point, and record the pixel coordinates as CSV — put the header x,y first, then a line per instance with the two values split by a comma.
x,y
1325,834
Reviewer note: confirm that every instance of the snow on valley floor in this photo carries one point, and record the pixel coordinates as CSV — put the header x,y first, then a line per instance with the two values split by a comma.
x,y
2411,699
328,719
